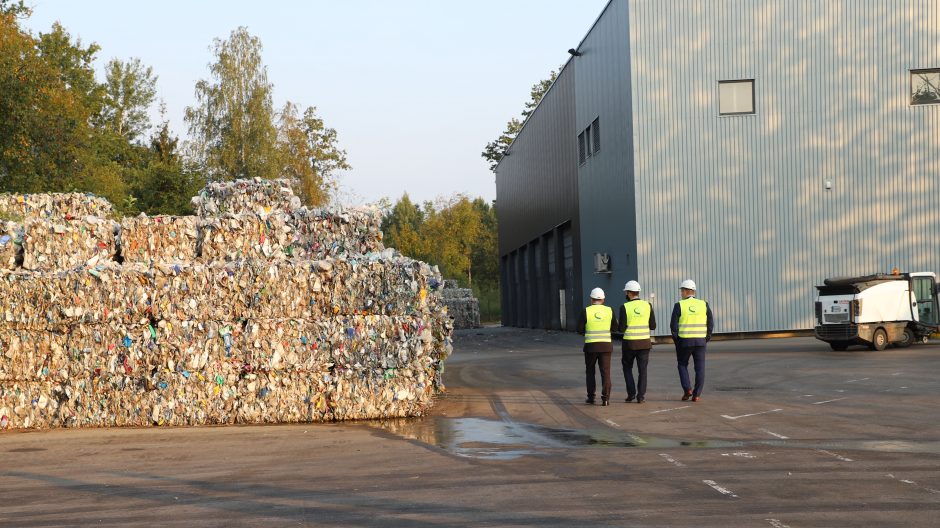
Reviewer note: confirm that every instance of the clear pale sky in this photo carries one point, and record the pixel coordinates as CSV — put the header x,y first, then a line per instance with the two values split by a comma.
x,y
415,88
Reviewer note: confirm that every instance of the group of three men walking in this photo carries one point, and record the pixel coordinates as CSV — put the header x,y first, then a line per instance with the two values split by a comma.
x,y
691,327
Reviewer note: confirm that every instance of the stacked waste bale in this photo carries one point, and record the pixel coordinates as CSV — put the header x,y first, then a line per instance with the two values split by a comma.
x,y
256,196
56,206
149,239
67,244
462,306
11,242
173,337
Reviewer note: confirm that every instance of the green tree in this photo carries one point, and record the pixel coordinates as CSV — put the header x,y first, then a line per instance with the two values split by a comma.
x,y
451,229
130,89
49,97
165,184
496,149
309,153
232,124
402,227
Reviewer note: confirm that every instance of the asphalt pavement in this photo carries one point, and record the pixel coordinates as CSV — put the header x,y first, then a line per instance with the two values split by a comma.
x,y
789,434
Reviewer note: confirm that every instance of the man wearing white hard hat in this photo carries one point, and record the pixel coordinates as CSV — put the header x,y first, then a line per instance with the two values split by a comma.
x,y
691,327
596,323
636,322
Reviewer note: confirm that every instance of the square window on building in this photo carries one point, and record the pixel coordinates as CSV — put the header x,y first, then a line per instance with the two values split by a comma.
x,y
925,87
582,154
596,132
736,97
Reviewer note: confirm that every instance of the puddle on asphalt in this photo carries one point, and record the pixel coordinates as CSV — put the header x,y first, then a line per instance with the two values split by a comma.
x,y
487,439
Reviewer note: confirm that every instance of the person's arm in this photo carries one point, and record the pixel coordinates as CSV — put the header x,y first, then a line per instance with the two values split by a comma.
x,y
622,327
613,322
652,319
582,321
710,324
674,323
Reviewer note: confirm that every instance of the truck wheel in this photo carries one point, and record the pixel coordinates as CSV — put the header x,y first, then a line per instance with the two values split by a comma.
x,y
879,340
839,345
907,339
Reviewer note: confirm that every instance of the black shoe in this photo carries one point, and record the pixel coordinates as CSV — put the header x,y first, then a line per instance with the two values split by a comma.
x,y
589,401
604,403
696,398
629,399
687,395
641,400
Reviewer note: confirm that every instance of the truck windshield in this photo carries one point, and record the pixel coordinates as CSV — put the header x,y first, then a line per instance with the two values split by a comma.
x,y
926,302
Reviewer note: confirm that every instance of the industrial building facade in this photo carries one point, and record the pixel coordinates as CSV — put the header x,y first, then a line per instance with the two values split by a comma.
x,y
755,146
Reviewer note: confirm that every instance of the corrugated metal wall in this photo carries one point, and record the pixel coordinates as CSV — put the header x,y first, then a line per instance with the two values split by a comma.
x,y
605,180
739,203
537,207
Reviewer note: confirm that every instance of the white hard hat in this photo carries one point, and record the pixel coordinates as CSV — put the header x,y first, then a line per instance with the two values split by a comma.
x,y
597,294
688,284
632,286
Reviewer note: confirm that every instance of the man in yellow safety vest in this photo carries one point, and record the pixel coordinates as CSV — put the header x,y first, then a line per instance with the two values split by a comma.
x,y
595,323
691,327
636,322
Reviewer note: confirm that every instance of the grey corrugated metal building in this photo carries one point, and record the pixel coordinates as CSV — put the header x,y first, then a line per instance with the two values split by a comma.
x,y
756,147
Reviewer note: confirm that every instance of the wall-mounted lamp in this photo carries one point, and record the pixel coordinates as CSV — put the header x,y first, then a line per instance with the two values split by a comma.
x,y
574,52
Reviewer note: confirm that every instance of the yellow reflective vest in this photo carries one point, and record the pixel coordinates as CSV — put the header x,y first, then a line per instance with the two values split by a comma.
x,y
693,318
638,320
597,327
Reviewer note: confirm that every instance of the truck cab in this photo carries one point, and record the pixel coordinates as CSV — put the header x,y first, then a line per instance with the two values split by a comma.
x,y
877,310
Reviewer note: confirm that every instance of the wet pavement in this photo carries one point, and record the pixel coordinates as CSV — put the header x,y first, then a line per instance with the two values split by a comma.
x,y
788,434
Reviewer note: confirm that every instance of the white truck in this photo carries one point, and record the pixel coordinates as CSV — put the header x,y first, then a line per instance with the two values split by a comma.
x,y
877,310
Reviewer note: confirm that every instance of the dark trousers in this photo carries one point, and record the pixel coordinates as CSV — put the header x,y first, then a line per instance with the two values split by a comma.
x,y
697,353
642,357
590,360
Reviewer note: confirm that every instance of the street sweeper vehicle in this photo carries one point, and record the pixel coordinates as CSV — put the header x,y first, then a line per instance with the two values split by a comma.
x,y
877,310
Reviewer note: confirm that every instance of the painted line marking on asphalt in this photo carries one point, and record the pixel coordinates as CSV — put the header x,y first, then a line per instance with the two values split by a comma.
x,y
724,491
807,396
749,415
771,433
776,523
896,374
857,380
613,423
673,409
829,401
739,454
840,390
671,460
834,455
913,483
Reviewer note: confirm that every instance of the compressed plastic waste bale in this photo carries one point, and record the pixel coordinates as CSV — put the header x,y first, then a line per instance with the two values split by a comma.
x,y
240,237
11,242
149,239
220,291
33,355
67,244
322,233
255,196
53,206
462,306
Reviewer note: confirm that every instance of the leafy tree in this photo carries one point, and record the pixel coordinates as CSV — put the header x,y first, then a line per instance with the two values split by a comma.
x,y
309,153
75,66
496,149
130,90
232,124
48,99
402,228
15,9
164,185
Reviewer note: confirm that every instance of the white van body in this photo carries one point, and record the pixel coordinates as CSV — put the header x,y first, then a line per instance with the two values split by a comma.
x,y
877,310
